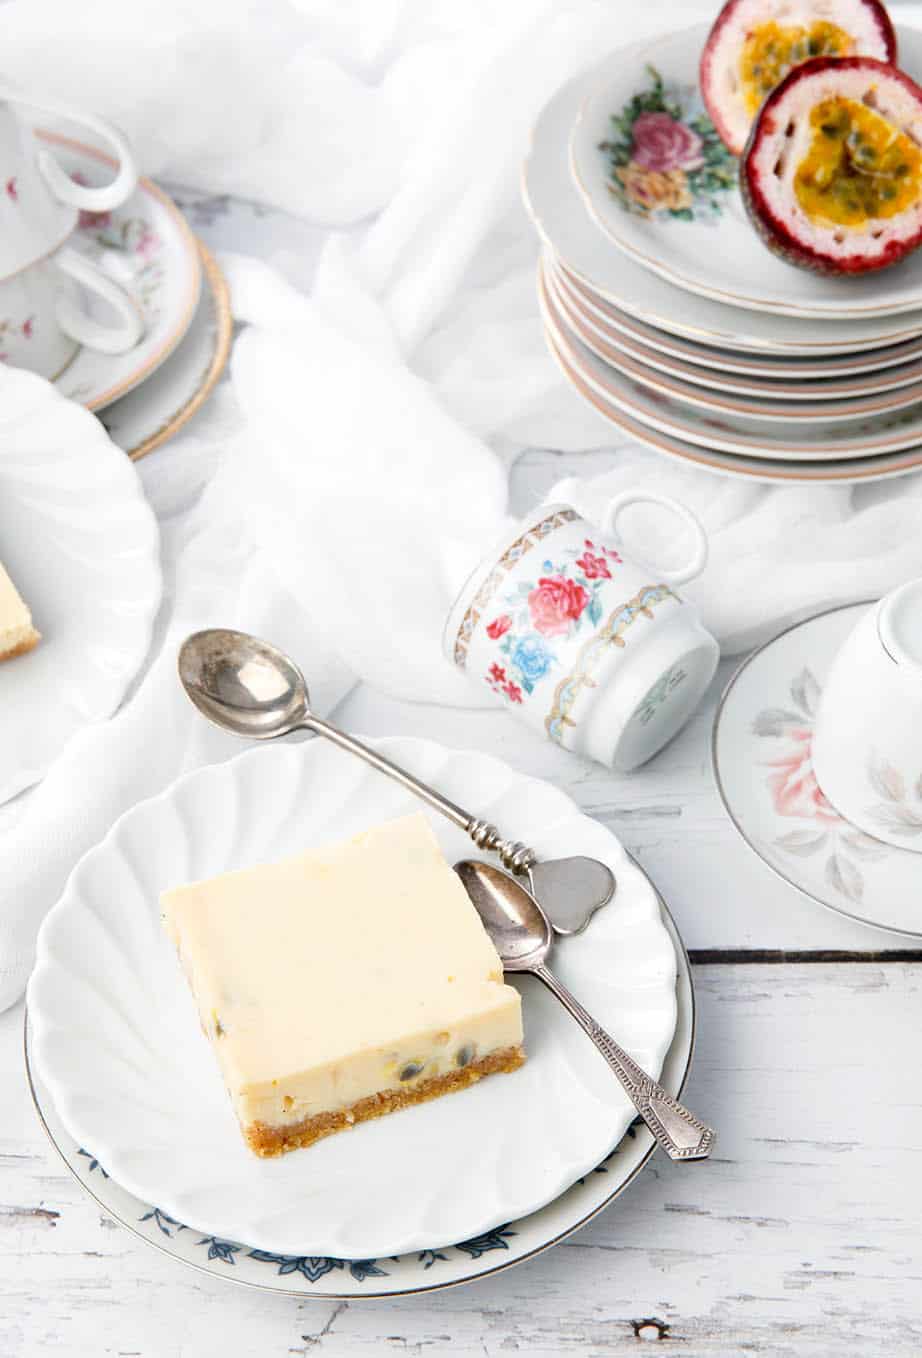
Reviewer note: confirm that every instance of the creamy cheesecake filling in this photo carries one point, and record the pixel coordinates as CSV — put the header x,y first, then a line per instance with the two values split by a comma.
x,y
17,634
399,1067
343,983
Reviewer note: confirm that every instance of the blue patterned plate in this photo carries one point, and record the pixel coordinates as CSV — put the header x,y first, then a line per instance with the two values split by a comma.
x,y
424,1270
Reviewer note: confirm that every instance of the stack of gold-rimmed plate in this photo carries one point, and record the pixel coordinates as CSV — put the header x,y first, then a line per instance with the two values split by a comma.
x,y
666,312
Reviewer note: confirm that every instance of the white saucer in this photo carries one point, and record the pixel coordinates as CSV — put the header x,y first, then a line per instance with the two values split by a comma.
x,y
761,756
706,244
118,1042
147,245
767,469
81,543
559,214
716,394
424,1270
819,440
155,410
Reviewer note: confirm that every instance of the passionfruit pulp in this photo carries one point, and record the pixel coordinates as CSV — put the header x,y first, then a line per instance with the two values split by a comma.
x,y
755,44
832,172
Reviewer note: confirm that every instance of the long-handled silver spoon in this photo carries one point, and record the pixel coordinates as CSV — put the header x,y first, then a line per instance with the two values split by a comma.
x,y
521,934
252,689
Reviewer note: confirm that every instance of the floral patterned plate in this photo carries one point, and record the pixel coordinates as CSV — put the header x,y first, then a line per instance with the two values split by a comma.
x,y
718,396
586,315
726,431
761,754
147,246
424,1270
768,469
671,318
874,369
659,182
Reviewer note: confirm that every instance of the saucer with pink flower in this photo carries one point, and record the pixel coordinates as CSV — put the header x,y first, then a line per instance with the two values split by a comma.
x,y
763,764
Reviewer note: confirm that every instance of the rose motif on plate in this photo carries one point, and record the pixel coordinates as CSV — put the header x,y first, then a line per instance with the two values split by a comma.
x,y
664,155
796,795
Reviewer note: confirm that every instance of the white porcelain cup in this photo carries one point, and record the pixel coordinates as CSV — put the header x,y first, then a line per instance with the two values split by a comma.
x,y
43,320
39,202
867,744
590,645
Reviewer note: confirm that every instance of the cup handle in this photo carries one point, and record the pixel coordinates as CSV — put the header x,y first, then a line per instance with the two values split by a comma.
x,y
676,575
101,199
107,339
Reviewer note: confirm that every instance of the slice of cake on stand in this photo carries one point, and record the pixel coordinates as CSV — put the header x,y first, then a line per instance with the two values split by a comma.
x,y
17,635
343,984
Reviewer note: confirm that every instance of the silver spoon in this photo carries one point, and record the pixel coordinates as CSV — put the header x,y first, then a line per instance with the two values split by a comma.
x,y
521,934
252,689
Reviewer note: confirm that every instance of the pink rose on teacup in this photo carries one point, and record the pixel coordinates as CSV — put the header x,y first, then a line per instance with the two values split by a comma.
x,y
661,143
555,604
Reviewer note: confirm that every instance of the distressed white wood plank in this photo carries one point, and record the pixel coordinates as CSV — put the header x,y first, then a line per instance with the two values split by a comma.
x,y
799,1238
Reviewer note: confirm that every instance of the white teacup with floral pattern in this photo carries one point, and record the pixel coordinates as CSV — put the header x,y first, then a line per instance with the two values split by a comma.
x,y
39,201
867,745
43,319
588,644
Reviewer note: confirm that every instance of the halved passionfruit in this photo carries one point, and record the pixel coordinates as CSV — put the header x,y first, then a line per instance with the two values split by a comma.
x,y
832,173
754,44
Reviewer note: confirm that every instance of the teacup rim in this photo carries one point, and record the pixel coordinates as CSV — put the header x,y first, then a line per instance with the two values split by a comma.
x,y
893,647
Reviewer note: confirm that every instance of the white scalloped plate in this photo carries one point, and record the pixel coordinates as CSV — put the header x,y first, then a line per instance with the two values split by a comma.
x,y
118,1044
81,544
428,1270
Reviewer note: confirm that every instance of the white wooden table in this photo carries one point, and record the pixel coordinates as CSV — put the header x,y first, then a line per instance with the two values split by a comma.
x,y
801,1236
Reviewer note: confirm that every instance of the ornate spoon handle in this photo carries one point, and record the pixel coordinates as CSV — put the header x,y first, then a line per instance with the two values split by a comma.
x,y
516,857
681,1134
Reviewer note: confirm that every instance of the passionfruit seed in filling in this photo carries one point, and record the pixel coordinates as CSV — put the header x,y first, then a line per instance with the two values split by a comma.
x,y
770,51
859,165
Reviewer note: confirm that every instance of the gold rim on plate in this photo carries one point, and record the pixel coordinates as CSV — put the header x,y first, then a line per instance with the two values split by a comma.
x,y
220,296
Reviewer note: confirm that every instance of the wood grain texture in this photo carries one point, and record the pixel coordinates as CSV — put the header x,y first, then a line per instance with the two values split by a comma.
x,y
800,1237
